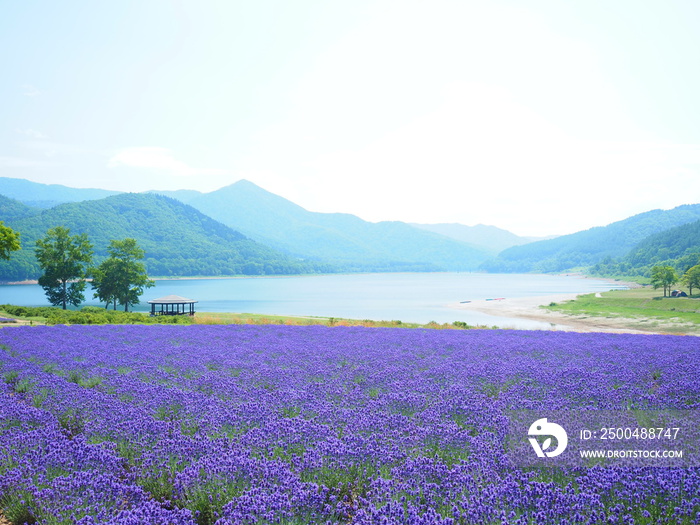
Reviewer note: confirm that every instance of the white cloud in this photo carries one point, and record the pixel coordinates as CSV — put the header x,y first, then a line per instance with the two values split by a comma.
x,y
32,133
484,157
30,91
160,159
19,162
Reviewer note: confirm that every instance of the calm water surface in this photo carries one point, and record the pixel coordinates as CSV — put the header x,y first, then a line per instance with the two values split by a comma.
x,y
409,297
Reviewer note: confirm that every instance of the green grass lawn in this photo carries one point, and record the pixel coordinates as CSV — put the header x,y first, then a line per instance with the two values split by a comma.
x,y
642,305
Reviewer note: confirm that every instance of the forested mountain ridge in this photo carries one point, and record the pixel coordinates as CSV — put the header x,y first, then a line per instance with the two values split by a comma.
x,y
14,209
678,247
341,239
177,239
332,242
48,195
589,247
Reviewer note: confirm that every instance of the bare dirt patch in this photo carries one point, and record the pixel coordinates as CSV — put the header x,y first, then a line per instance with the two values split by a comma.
x,y
529,308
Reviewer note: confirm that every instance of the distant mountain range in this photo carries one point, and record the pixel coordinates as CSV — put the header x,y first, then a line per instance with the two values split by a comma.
x,y
243,228
678,247
296,240
177,239
489,238
589,247
342,239
47,195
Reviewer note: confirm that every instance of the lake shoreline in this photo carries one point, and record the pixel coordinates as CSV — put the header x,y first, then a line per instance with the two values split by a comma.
x,y
408,296
629,284
531,308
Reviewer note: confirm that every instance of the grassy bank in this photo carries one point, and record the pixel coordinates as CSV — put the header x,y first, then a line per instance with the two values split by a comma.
x,y
14,315
642,308
245,318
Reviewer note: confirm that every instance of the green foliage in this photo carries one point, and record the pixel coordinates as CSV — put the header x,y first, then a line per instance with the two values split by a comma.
x,y
122,277
677,247
9,241
663,276
12,209
291,412
16,506
10,377
72,422
691,278
23,386
64,260
91,315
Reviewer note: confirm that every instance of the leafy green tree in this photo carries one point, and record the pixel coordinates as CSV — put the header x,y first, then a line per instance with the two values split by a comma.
x,y
121,278
105,281
691,278
663,276
65,260
9,241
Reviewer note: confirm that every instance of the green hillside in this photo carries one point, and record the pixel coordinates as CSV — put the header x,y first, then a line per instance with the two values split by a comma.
x,y
678,247
589,247
342,239
178,239
13,209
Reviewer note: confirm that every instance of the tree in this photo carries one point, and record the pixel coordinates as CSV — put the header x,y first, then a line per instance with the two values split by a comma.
x,y
105,281
9,241
121,278
663,276
691,278
64,260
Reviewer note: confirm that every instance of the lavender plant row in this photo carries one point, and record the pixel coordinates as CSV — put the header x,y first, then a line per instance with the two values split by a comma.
x,y
289,424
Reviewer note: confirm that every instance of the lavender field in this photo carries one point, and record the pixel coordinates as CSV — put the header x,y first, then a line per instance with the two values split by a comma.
x,y
309,424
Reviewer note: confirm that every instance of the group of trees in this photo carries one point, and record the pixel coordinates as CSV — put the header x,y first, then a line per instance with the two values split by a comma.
x,y
66,261
665,277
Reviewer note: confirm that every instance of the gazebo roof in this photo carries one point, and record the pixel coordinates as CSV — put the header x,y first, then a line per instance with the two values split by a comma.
x,y
172,299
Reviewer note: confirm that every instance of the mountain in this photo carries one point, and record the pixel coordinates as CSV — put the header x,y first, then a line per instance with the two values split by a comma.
x,y
488,238
678,247
344,240
13,209
589,247
47,195
178,240
674,243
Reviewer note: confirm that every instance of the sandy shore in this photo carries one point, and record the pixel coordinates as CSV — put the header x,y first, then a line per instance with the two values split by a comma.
x,y
529,308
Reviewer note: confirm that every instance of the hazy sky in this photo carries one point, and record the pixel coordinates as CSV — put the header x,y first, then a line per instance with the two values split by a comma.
x,y
541,117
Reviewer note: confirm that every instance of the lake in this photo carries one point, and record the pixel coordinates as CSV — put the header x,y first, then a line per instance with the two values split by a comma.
x,y
409,297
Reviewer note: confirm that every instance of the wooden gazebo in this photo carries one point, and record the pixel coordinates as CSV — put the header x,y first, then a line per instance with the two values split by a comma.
x,y
172,305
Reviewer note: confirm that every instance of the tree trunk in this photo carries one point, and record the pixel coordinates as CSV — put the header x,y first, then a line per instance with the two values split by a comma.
x,y
65,293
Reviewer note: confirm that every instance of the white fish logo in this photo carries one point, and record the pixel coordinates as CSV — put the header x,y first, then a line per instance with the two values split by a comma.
x,y
542,428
